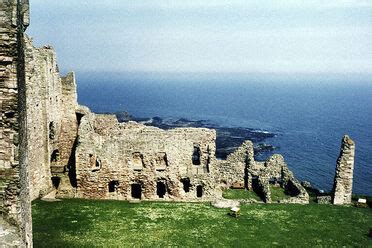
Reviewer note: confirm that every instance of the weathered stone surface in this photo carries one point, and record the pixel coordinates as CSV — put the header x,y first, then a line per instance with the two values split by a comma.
x,y
52,121
9,235
343,182
325,199
14,183
178,162
237,185
241,168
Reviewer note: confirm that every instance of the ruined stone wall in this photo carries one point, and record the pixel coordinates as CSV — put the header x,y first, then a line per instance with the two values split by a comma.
x,y
112,156
14,183
43,89
52,124
275,171
67,138
240,170
343,182
232,172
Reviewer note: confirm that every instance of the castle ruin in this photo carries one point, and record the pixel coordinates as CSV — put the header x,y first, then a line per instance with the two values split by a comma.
x,y
80,154
63,147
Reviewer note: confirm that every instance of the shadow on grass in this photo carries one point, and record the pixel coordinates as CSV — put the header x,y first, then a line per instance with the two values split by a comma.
x,y
54,221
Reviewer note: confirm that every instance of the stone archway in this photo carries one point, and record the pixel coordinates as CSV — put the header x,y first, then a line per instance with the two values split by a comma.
x,y
136,191
161,189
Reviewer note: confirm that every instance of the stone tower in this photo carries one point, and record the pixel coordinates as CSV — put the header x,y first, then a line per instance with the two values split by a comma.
x,y
343,182
14,184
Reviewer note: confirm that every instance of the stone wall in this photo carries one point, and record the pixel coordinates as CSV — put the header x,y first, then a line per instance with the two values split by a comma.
x,y
14,183
42,91
112,158
52,123
48,115
232,172
240,170
343,182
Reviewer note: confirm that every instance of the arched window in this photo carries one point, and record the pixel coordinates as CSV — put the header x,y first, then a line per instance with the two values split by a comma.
x,y
55,156
113,185
136,190
196,155
161,189
56,181
52,130
199,191
186,184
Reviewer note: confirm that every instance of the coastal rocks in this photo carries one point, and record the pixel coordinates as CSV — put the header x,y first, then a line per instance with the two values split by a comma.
x,y
343,181
306,184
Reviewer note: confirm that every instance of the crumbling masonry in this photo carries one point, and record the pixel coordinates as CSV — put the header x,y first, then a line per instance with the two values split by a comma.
x,y
81,154
343,183
64,148
14,183
77,153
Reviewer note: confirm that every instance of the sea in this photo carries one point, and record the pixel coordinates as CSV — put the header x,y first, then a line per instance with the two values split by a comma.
x,y
307,114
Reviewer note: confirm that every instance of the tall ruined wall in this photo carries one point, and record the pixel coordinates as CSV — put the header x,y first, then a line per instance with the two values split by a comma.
x,y
43,89
233,170
52,124
108,152
14,184
343,182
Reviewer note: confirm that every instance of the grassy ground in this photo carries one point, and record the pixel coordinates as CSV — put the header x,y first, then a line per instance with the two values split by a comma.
x,y
87,223
240,194
277,193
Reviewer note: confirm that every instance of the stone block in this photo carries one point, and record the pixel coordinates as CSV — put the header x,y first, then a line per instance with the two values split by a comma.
x,y
326,199
237,185
57,169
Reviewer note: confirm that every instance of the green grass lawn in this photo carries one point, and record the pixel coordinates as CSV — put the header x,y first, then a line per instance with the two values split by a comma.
x,y
277,193
240,194
88,223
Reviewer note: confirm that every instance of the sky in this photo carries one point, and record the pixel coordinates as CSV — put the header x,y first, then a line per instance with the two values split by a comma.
x,y
229,36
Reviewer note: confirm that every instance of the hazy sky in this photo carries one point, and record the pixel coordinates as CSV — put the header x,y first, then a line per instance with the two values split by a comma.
x,y
333,36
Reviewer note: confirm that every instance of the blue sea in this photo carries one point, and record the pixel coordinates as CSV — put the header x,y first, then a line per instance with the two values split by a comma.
x,y
309,114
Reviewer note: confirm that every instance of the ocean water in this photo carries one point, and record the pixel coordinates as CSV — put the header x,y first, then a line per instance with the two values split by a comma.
x,y
309,114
